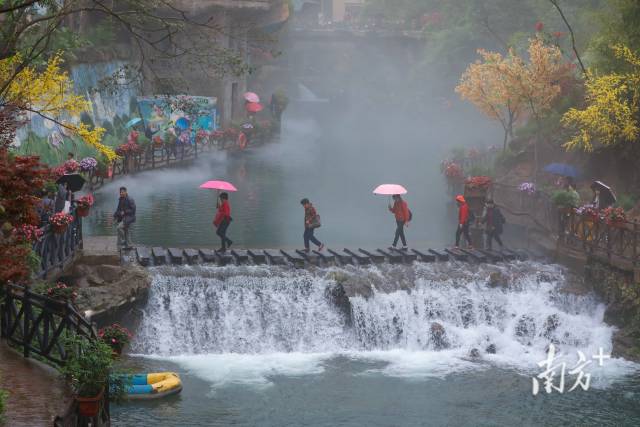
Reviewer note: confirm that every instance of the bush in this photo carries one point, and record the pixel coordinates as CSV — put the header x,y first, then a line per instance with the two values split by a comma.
x,y
626,201
3,398
89,366
565,199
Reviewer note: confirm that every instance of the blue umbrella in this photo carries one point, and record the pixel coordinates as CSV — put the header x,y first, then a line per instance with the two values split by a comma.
x,y
182,123
133,122
562,169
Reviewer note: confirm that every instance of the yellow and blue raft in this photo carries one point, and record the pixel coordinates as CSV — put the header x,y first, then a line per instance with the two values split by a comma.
x,y
153,385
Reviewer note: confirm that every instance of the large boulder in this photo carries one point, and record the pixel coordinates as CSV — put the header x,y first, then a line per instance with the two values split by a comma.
x,y
498,279
338,297
438,336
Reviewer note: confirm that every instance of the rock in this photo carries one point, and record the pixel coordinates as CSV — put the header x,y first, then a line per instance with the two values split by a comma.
x,y
550,325
474,353
438,336
525,328
491,349
109,273
338,297
498,279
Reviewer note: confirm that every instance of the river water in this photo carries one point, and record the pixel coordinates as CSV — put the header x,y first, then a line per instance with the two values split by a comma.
x,y
264,346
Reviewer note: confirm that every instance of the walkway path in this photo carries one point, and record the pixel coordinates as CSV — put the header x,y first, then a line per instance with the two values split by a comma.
x,y
32,402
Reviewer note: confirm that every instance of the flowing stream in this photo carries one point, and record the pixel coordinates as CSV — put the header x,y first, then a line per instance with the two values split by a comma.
x,y
276,346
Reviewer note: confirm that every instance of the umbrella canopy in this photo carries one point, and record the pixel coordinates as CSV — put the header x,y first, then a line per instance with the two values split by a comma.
x,y
390,189
218,185
253,107
133,122
607,195
182,123
251,97
562,169
74,181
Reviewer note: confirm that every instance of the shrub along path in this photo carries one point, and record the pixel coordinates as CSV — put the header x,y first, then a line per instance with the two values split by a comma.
x,y
36,393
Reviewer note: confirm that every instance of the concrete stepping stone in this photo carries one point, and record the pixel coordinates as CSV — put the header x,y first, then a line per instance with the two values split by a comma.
x,y
208,255
373,255
257,257
143,255
392,256
424,255
159,256
407,256
191,255
342,256
274,256
441,256
224,258
294,258
361,259
475,255
240,256
457,254
327,257
492,256
175,256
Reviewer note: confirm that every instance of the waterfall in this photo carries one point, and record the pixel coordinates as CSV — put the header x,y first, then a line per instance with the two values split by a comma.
x,y
425,307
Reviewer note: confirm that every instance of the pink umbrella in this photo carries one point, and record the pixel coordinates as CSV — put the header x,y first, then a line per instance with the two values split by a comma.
x,y
251,97
218,185
390,189
253,107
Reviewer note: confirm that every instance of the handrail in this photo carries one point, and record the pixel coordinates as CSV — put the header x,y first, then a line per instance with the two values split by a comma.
x,y
56,250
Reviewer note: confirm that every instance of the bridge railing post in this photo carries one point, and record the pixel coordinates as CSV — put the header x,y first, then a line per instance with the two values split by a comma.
x,y
634,243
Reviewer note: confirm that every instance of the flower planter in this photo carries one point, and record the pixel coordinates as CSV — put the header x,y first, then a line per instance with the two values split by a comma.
x,y
89,406
59,229
83,211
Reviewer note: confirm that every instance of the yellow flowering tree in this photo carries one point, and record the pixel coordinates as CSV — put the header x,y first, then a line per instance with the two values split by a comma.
x,y
48,93
486,86
611,111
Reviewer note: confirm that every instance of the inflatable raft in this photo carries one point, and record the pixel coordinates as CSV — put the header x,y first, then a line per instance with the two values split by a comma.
x,y
154,385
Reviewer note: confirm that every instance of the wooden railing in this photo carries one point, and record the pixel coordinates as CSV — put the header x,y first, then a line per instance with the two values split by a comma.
x,y
55,250
529,210
617,241
35,323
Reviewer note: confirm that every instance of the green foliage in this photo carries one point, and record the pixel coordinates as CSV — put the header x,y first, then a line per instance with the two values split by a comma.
x,y
506,158
3,397
565,199
626,201
479,170
89,366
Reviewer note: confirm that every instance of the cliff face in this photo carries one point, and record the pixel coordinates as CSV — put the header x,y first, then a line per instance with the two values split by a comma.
x,y
620,291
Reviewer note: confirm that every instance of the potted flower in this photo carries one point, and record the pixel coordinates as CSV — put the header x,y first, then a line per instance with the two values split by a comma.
x,y
71,166
60,221
157,141
27,233
83,205
615,217
528,188
88,164
116,336
61,291
88,367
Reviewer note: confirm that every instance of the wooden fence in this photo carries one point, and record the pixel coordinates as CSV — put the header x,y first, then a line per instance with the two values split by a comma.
x,y
55,251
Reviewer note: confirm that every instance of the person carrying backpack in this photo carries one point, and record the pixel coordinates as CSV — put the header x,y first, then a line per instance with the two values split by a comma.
x,y
311,222
494,221
464,218
403,215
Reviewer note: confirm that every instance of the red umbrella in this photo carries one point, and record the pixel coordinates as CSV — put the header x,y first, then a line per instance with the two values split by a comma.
x,y
253,107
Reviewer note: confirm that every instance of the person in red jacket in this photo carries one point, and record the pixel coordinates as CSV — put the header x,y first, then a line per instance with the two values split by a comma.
x,y
403,216
222,221
463,220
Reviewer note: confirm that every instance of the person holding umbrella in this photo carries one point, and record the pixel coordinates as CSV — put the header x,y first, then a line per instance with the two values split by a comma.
x,y
311,222
401,211
125,215
222,221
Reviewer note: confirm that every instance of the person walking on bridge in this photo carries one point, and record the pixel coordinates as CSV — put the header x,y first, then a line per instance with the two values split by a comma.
x,y
464,218
125,215
403,215
311,222
493,221
222,221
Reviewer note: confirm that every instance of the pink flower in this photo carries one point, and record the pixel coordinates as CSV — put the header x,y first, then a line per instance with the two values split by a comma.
x,y
539,26
113,340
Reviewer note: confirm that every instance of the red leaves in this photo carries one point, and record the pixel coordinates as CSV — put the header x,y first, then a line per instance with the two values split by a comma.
x,y
477,182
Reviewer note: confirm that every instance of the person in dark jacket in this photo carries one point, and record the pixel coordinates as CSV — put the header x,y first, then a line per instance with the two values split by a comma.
x,y
222,221
63,195
311,222
463,220
494,221
401,211
125,215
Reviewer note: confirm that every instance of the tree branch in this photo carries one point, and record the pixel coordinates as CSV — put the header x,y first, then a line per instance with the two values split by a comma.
x,y
573,38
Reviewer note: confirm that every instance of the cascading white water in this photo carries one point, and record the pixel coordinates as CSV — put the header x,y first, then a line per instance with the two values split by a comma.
x,y
268,309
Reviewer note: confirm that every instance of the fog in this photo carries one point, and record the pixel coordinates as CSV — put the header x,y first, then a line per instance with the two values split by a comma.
x,y
383,123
